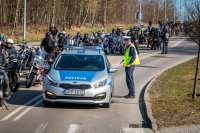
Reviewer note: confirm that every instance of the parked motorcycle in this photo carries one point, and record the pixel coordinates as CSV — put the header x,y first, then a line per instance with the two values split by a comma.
x,y
36,71
24,56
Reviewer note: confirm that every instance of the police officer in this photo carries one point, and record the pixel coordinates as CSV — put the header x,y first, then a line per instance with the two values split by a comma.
x,y
11,50
130,60
4,59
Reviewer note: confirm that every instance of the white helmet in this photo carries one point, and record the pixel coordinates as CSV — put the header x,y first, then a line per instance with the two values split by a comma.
x,y
9,41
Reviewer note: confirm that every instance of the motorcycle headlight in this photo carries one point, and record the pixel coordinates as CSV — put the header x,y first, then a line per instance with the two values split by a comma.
x,y
101,83
50,81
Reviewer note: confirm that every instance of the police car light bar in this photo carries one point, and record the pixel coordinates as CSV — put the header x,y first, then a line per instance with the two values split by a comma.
x,y
71,47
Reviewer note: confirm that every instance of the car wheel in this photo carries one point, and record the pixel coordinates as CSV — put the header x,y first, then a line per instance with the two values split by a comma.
x,y
107,105
47,103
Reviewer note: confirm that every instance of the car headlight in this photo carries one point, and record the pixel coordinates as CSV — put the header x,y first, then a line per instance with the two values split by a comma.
x,y
101,83
50,81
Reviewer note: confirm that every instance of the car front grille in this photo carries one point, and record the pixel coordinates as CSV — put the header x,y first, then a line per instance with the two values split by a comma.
x,y
73,86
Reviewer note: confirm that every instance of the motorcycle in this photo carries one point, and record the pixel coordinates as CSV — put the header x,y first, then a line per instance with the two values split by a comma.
x,y
155,43
36,71
24,56
142,38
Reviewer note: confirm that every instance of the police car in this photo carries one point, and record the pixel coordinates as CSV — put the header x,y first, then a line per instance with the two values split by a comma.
x,y
80,75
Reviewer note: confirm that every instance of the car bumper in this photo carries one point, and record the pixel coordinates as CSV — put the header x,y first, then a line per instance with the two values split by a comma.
x,y
90,96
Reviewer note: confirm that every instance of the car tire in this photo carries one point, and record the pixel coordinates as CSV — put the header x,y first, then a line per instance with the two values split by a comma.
x,y
47,103
107,105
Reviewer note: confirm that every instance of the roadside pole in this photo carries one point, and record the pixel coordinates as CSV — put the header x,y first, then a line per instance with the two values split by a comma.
x,y
24,23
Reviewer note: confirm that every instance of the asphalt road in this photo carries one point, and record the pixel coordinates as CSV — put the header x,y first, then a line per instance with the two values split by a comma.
x,y
27,114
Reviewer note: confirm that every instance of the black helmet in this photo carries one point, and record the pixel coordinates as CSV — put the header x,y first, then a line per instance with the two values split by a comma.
x,y
48,34
61,35
78,33
113,30
110,38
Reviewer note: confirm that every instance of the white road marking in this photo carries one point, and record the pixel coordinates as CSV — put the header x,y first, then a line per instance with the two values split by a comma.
x,y
176,44
20,108
41,127
133,130
27,110
73,128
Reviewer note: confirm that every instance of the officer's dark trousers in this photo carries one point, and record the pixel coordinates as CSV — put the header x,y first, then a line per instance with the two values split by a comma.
x,y
130,80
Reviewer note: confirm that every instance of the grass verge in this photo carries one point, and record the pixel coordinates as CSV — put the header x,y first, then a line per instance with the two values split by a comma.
x,y
171,97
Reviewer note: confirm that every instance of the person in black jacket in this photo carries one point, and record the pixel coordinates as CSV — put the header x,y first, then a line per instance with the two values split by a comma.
x,y
53,30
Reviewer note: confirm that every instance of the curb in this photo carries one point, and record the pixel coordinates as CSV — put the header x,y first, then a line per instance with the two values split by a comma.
x,y
147,107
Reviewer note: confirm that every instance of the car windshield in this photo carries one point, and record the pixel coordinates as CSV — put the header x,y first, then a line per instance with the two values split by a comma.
x,y
80,63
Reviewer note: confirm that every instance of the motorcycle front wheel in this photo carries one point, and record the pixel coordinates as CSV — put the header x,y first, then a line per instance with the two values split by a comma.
x,y
14,81
30,80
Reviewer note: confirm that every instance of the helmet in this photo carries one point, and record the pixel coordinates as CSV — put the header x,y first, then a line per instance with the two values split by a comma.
x,y
110,38
78,33
92,38
113,30
48,34
61,35
86,35
9,41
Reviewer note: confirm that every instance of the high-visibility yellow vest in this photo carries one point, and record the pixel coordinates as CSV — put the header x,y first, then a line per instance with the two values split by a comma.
x,y
127,57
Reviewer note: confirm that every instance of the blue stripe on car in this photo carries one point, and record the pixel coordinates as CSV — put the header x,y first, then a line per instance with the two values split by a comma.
x,y
76,75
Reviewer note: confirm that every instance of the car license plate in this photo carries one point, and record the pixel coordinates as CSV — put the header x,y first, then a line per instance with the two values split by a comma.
x,y
74,92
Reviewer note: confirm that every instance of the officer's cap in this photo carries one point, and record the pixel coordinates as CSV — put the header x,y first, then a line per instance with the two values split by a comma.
x,y
128,38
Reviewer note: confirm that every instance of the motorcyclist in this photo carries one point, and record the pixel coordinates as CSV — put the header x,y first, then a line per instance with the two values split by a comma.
x,y
119,32
85,37
50,57
53,30
110,42
99,40
113,34
78,38
165,39
4,60
91,41
10,48
156,36
62,40
46,45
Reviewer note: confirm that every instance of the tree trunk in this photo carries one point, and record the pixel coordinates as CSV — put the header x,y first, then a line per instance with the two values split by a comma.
x,y
53,12
86,15
196,74
16,17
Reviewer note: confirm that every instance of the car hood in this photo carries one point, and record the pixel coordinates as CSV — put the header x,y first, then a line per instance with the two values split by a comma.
x,y
66,75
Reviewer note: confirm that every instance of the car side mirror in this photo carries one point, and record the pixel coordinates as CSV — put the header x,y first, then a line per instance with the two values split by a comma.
x,y
112,70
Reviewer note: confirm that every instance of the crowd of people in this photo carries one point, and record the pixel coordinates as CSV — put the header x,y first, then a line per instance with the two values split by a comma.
x,y
156,37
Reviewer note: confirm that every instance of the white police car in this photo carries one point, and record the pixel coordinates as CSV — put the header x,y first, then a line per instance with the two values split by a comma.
x,y
80,75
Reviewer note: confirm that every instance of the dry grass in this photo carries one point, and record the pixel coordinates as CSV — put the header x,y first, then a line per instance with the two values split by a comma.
x,y
171,97
37,33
